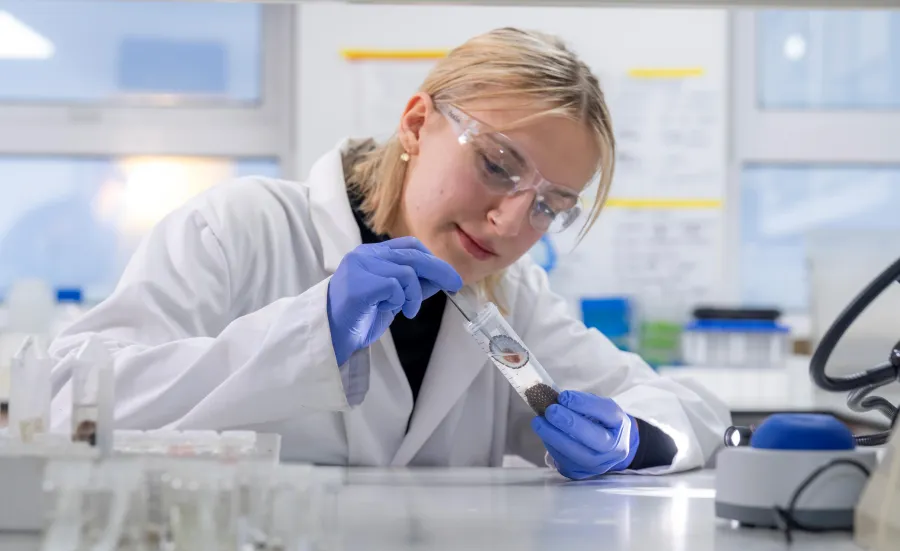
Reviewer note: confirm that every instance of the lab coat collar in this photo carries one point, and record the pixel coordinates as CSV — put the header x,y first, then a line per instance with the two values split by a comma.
x,y
330,208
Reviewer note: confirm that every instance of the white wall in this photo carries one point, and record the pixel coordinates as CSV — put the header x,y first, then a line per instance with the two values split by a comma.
x,y
611,40
332,94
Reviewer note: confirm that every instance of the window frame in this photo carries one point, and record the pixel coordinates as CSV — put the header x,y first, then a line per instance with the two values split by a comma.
x,y
810,136
759,136
260,130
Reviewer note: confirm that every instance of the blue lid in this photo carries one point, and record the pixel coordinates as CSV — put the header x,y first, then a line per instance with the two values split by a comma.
x,y
609,305
68,295
802,431
736,326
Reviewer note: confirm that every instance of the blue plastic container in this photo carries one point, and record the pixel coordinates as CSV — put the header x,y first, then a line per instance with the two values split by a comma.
x,y
612,316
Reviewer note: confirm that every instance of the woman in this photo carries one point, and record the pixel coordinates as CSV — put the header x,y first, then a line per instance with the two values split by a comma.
x,y
265,305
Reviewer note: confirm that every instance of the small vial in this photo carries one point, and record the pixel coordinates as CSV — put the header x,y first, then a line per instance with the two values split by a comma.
x,y
92,398
29,396
506,350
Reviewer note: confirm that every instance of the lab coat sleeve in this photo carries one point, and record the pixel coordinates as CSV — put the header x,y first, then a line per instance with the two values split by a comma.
x,y
581,358
181,361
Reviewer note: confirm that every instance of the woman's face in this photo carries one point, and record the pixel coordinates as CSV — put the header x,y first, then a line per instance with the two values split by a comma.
x,y
446,204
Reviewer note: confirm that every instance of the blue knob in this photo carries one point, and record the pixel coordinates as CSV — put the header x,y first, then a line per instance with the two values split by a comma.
x,y
802,431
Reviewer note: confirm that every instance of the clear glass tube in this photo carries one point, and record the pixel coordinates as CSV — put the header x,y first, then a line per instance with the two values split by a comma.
x,y
510,355
29,393
92,397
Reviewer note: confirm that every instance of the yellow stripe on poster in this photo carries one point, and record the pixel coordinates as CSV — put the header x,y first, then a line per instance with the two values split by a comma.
x,y
351,54
666,72
664,203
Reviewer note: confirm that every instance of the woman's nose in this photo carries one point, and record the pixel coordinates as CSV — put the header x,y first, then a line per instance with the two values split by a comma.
x,y
511,213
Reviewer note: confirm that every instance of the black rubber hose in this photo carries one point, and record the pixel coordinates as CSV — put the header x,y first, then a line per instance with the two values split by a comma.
x,y
860,401
884,372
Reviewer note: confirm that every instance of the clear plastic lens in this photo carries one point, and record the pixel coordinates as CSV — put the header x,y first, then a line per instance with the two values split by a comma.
x,y
503,171
563,220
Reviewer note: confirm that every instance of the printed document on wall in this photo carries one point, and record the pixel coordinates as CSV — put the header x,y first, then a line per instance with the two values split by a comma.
x,y
670,135
661,233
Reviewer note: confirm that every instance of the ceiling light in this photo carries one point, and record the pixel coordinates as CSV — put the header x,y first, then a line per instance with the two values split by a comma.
x,y
795,47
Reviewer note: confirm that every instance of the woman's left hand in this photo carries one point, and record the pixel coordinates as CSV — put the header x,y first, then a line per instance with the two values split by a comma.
x,y
587,435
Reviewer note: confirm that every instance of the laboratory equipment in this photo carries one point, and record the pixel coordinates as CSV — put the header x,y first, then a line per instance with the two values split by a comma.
x,y
661,317
721,337
29,401
798,471
92,396
69,307
95,507
805,462
30,306
612,316
23,466
507,352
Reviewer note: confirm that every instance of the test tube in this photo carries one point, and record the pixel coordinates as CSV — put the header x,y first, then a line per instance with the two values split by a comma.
x,y
29,407
506,350
92,397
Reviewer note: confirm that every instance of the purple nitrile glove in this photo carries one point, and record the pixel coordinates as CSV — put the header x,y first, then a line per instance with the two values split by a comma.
x,y
375,282
587,435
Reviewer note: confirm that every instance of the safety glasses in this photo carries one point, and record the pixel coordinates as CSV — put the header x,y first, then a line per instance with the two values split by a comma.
x,y
505,170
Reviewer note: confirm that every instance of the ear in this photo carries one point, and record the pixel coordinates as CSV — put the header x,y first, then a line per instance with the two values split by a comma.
x,y
418,110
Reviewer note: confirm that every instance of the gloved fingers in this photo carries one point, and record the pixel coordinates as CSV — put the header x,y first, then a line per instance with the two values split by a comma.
x,y
563,465
406,277
387,293
604,410
571,450
427,266
579,428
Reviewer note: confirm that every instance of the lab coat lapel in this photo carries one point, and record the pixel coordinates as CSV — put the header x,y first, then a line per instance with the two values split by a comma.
x,y
330,208
339,234
455,362
376,428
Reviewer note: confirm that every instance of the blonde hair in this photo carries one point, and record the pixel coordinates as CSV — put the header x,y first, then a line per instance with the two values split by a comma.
x,y
504,63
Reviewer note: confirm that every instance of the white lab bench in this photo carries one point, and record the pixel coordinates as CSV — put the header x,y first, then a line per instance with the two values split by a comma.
x,y
527,510
537,509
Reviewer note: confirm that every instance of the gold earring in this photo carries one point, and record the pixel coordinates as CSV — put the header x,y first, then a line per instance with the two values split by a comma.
x,y
404,157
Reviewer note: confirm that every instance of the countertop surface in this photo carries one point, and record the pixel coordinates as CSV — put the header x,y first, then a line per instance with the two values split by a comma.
x,y
532,509
520,509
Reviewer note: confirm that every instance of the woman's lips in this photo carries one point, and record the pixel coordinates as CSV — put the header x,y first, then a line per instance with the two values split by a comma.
x,y
473,247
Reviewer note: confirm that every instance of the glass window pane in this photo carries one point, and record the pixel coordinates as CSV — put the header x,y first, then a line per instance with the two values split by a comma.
x,y
75,222
782,205
168,53
828,59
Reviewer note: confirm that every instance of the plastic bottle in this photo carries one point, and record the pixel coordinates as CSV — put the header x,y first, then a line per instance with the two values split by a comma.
x,y
662,321
30,307
69,307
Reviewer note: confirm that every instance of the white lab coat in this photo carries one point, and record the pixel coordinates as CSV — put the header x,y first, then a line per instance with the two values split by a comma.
x,y
219,322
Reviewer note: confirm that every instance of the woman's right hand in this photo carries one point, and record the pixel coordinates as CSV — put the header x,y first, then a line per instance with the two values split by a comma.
x,y
374,282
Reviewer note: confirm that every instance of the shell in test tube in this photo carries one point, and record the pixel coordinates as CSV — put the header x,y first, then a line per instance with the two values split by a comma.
x,y
510,355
